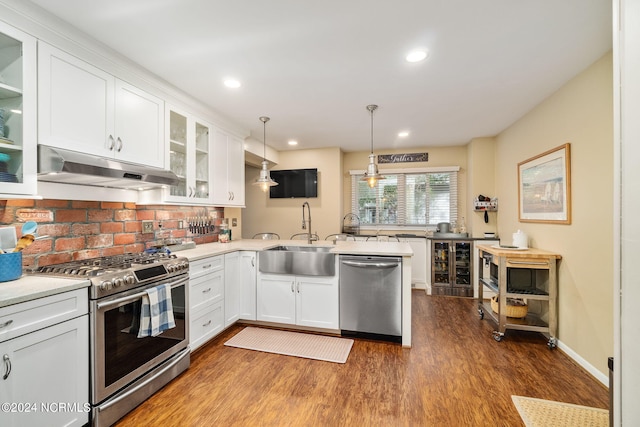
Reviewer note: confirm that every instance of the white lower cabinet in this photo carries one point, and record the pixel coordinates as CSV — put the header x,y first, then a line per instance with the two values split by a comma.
x,y
298,300
206,299
419,261
44,378
231,288
247,285
206,324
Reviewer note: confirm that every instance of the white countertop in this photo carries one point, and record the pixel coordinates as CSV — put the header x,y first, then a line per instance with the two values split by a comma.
x,y
342,247
30,287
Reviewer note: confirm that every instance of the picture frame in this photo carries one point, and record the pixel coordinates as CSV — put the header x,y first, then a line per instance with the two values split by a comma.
x,y
544,187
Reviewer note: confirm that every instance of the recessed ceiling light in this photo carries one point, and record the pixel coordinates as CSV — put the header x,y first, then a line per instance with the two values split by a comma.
x,y
232,83
403,134
416,55
292,142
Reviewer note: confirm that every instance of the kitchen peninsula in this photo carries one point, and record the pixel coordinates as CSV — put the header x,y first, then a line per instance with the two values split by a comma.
x,y
399,249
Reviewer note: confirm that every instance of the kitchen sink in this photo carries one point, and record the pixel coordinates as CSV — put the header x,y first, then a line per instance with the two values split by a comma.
x,y
299,260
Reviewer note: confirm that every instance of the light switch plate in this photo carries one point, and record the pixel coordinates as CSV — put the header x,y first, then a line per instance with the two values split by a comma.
x,y
147,227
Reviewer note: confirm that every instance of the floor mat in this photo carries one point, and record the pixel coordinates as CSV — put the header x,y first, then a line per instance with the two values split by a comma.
x,y
310,346
547,413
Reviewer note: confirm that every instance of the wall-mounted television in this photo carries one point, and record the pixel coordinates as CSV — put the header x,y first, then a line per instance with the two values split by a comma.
x,y
294,183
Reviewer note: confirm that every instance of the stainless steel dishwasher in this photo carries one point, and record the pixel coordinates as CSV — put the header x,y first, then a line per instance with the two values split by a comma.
x,y
371,296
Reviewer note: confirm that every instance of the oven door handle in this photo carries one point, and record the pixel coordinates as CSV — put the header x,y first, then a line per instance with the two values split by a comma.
x,y
135,296
144,383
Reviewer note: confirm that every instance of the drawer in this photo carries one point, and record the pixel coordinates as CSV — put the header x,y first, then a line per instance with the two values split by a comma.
x,y
206,324
26,317
205,289
540,264
205,266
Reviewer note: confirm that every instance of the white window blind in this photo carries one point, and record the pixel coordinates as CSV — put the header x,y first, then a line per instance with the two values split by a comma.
x,y
411,199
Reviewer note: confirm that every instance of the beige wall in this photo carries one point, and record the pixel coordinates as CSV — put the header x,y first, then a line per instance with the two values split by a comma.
x,y
438,156
284,216
481,180
579,113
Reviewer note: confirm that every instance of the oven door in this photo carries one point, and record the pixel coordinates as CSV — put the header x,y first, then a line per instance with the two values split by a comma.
x,y
118,356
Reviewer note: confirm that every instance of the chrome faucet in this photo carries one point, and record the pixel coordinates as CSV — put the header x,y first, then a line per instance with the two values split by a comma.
x,y
304,225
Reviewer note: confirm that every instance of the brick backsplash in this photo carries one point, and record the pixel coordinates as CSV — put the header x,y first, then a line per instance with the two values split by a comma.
x,y
82,229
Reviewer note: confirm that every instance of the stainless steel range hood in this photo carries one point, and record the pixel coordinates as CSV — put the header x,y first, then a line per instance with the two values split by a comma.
x,y
70,167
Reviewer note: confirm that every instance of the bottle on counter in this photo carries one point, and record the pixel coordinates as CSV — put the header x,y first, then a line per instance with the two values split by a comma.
x,y
225,232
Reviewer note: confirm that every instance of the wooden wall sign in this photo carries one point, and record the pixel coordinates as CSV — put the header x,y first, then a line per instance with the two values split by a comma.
x,y
403,158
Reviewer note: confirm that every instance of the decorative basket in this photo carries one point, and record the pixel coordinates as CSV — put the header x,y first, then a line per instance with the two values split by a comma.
x,y
515,307
10,266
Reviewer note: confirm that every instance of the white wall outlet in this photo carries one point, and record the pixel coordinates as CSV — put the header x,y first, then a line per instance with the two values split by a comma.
x,y
180,224
147,227
234,222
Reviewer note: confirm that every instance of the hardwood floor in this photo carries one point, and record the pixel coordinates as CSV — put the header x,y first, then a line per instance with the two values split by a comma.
x,y
455,374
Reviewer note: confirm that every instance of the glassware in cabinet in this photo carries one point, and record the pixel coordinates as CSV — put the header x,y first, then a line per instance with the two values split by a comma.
x,y
17,112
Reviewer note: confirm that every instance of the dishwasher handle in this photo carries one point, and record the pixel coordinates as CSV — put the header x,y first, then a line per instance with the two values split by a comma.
x,y
361,264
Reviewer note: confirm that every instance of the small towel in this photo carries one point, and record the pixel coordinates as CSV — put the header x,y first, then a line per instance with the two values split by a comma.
x,y
156,312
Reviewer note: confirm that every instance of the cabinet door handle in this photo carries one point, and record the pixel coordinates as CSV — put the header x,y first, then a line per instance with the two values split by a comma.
x,y
206,266
233,196
207,324
112,142
298,287
292,284
7,366
119,149
253,262
206,291
7,323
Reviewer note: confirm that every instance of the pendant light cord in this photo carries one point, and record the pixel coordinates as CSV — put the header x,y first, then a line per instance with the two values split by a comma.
x,y
371,131
372,108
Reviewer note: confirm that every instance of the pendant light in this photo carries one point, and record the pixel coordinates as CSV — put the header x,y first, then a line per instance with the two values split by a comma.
x,y
371,175
264,181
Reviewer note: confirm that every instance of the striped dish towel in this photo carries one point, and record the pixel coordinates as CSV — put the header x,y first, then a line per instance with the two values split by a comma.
x,y
156,313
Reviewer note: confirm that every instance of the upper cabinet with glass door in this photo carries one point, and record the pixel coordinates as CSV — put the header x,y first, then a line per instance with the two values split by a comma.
x,y
189,158
17,112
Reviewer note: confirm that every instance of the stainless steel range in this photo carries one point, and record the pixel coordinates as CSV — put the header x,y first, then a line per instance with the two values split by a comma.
x,y
125,369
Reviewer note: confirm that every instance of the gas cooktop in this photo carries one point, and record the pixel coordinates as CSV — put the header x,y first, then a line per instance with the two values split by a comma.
x,y
118,273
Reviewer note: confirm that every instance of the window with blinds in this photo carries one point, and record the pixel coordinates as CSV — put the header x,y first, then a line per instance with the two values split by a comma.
x,y
411,199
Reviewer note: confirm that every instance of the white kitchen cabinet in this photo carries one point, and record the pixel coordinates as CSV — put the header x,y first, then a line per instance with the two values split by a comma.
x,y
419,261
228,170
189,153
206,299
232,288
85,109
299,300
18,137
37,345
248,285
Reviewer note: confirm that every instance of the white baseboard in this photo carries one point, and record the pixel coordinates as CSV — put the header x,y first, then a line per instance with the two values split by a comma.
x,y
603,378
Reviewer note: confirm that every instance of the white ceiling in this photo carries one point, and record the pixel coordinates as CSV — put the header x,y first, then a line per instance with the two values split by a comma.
x,y
314,66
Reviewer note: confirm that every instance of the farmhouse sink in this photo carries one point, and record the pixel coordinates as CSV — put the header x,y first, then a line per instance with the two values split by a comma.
x,y
299,260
